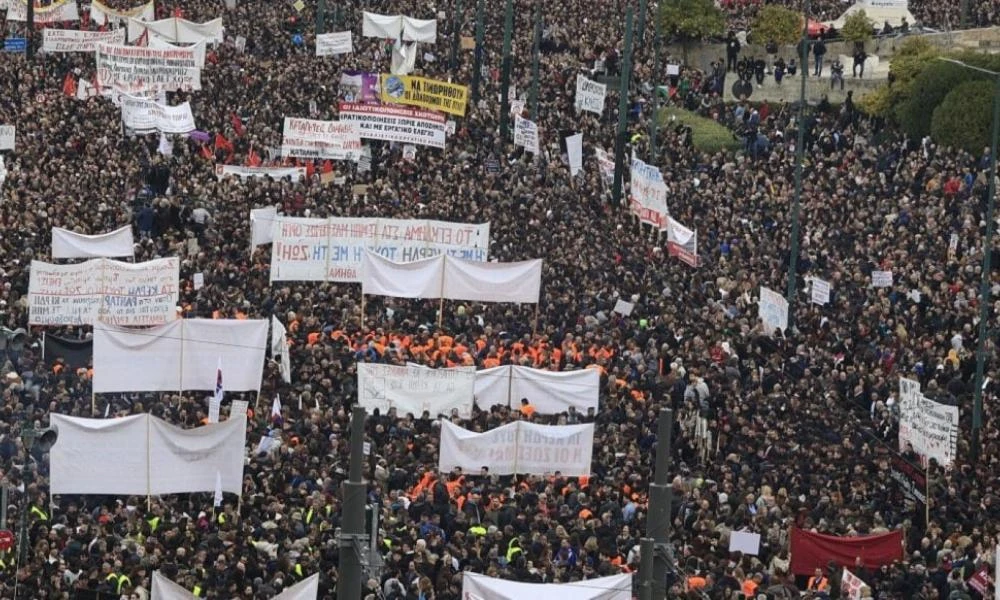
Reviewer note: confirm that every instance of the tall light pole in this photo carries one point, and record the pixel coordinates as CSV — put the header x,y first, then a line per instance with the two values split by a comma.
x,y
985,284
793,259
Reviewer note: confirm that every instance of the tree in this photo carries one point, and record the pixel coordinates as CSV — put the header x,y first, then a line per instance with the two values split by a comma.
x,y
936,80
690,20
912,56
776,24
857,28
964,118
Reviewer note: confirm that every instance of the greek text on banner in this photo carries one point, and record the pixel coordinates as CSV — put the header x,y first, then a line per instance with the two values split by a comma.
x,y
396,123
71,40
332,249
425,93
115,292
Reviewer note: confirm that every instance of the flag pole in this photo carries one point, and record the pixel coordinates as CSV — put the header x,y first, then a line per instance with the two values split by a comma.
x,y
534,328
441,303
149,494
927,494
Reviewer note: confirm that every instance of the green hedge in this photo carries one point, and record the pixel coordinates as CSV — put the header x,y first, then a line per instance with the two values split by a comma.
x,y
707,135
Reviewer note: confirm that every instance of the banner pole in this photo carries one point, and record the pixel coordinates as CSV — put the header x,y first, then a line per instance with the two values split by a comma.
x,y
93,400
444,260
534,328
149,494
927,495
362,310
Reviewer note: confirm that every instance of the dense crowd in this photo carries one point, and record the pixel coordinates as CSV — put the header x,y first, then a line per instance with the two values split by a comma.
x,y
802,424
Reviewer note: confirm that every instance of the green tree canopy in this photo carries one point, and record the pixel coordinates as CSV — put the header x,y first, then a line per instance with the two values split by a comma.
x,y
691,20
857,27
776,24
964,118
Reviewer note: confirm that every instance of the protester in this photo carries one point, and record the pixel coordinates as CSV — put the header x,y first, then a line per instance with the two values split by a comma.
x,y
798,428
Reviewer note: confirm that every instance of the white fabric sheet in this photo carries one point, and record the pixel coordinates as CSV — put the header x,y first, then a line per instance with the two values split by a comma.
x,y
164,589
418,279
279,349
99,456
101,14
550,392
199,49
493,387
493,282
518,448
416,389
419,30
179,356
482,587
381,26
189,460
69,244
262,225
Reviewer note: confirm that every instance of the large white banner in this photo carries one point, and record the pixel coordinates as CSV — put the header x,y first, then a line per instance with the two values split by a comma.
x,y
518,448
182,355
262,224
519,282
930,427
332,44
69,244
144,455
101,14
105,290
396,26
772,310
483,587
146,116
177,31
71,40
574,152
422,278
198,49
332,249
414,390
682,242
133,69
164,589
58,12
396,124
279,349
526,134
452,278
189,460
295,174
648,194
308,138
550,392
590,95
7,135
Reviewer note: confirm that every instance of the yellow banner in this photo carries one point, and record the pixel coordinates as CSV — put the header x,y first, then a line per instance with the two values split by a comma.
x,y
431,94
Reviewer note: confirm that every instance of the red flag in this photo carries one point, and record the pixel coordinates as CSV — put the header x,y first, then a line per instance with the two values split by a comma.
x,y
85,20
253,159
221,143
310,169
811,551
237,124
327,166
206,152
69,85
179,12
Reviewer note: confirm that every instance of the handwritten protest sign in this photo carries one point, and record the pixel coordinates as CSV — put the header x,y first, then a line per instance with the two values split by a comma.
x,y
103,290
134,69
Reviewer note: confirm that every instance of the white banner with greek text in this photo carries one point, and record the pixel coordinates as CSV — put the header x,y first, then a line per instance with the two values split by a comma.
x,y
103,290
146,116
132,69
308,138
518,448
396,124
416,389
71,40
930,427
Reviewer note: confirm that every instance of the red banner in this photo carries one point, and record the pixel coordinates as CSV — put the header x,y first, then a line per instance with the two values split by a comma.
x,y
815,550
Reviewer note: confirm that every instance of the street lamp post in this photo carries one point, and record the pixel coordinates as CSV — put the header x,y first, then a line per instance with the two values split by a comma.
x,y
793,259
985,282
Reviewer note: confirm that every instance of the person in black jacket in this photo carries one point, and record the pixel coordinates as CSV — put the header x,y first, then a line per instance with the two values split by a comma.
x,y
732,51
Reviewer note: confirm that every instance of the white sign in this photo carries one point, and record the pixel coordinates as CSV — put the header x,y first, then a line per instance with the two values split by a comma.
x,y
396,124
745,542
7,137
71,40
590,95
331,44
146,116
574,152
308,138
682,242
103,290
69,244
483,587
930,427
416,389
133,68
820,293
606,164
648,194
850,585
333,249
623,308
198,49
261,224
550,392
518,448
295,173
526,134
772,310
881,279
